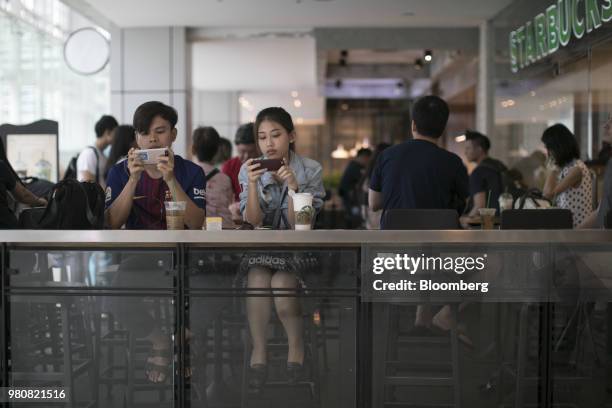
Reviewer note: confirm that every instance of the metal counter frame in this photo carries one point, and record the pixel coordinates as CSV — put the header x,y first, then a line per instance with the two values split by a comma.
x,y
180,242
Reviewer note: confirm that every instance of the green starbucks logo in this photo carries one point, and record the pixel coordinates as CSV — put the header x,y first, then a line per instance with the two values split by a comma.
x,y
304,216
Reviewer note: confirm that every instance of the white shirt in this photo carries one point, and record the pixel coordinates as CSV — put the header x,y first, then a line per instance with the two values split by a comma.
x,y
87,162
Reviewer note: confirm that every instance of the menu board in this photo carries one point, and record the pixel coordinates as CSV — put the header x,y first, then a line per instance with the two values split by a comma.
x,y
33,155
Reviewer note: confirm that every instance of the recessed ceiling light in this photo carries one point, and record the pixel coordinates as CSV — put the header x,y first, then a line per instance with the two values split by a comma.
x,y
294,94
297,103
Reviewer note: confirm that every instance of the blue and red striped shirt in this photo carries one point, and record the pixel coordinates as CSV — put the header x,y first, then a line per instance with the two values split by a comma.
x,y
148,211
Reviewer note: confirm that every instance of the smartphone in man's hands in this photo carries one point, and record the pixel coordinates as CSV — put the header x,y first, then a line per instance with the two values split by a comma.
x,y
150,156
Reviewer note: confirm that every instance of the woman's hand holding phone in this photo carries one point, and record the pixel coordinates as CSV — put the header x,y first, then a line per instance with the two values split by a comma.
x,y
254,170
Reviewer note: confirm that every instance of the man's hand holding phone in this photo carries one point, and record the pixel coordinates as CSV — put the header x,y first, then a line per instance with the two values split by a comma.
x,y
135,165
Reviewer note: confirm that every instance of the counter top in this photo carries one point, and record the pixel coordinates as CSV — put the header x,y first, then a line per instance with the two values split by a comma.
x,y
305,238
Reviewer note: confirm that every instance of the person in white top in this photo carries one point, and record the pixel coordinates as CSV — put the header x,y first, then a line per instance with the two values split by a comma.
x,y
569,181
92,162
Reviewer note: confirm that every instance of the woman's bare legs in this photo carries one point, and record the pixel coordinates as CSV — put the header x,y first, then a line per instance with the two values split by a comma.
x,y
289,312
258,313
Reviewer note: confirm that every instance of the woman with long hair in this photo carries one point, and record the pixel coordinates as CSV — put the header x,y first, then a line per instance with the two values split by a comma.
x,y
123,140
266,201
569,180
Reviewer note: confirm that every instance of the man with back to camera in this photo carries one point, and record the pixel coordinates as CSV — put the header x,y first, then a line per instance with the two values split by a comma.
x,y
350,188
418,173
135,192
91,162
486,179
245,146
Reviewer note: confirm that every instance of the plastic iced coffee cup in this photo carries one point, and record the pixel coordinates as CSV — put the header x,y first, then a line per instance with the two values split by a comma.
x,y
487,215
175,215
304,212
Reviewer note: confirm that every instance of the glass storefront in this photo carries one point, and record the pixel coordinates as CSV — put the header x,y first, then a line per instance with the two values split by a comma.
x,y
570,85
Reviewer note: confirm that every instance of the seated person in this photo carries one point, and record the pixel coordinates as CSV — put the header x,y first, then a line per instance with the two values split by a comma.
x,y
569,181
266,199
135,196
486,184
219,193
135,192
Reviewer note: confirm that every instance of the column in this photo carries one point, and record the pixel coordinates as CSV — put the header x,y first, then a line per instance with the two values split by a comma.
x,y
149,64
485,98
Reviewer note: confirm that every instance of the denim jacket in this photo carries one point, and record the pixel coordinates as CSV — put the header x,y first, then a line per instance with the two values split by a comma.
x,y
309,177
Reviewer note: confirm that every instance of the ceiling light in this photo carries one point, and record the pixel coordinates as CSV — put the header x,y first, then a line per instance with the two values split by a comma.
x,y
418,64
340,153
297,103
294,94
428,56
460,139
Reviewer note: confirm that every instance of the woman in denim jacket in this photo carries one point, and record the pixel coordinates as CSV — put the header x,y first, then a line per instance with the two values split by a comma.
x,y
265,200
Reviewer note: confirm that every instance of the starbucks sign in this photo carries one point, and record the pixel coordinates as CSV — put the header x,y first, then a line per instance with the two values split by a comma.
x,y
556,27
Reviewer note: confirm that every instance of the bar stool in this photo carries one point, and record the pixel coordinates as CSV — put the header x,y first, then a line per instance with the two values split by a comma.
x,y
56,347
388,339
532,219
277,345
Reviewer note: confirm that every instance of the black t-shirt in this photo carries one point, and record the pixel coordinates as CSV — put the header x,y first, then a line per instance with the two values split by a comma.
x,y
351,177
485,178
418,174
7,183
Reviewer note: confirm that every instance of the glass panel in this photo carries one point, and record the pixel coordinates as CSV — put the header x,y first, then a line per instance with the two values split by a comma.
x,y
317,268
580,325
78,268
601,89
326,329
95,348
238,324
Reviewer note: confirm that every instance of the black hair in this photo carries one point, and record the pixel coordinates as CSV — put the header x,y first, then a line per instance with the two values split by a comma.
x,y
4,158
430,115
478,139
244,134
206,141
364,151
146,112
277,115
123,139
561,143
105,123
224,151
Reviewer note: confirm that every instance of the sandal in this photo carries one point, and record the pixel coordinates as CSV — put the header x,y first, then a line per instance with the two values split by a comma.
x,y
162,370
190,357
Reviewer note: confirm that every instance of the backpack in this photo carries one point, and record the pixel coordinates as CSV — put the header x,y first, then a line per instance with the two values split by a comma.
x,y
71,169
72,205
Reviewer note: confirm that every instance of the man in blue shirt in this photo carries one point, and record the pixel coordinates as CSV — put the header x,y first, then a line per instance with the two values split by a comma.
x,y
486,183
135,192
418,174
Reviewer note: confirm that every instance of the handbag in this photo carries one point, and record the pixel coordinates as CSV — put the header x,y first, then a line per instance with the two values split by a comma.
x,y
532,200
